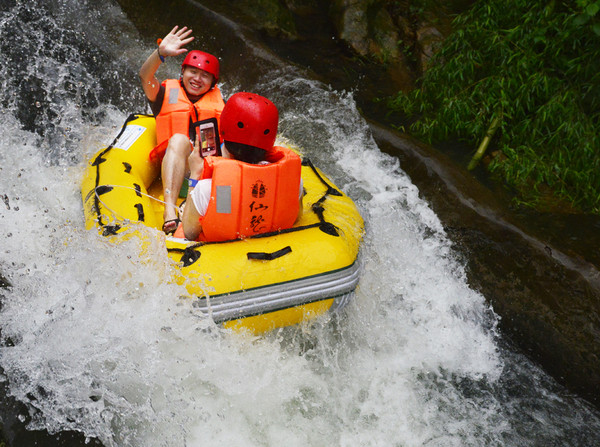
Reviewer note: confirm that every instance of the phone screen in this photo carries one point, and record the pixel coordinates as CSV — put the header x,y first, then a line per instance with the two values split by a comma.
x,y
208,139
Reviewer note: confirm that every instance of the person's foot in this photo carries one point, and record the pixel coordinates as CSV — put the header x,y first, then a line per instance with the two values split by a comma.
x,y
170,226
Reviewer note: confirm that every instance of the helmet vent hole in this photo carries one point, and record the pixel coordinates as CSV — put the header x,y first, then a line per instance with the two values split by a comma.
x,y
266,132
240,125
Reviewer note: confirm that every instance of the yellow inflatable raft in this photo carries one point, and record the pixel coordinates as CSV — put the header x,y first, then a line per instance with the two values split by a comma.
x,y
258,283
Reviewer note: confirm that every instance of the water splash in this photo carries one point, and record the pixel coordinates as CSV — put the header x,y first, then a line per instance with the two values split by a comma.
x,y
61,71
97,339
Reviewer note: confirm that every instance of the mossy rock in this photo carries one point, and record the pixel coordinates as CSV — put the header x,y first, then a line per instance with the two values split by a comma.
x,y
270,16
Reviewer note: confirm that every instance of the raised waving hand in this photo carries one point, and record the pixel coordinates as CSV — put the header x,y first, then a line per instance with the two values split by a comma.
x,y
172,45
174,42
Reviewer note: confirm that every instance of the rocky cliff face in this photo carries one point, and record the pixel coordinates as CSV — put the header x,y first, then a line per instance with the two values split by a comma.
x,y
398,35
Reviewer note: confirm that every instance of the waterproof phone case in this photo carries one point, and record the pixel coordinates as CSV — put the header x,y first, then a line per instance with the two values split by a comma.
x,y
208,137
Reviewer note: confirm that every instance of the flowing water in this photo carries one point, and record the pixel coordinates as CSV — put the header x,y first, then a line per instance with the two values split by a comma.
x,y
97,340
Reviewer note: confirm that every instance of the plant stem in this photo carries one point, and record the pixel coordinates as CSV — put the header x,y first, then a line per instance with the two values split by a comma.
x,y
485,142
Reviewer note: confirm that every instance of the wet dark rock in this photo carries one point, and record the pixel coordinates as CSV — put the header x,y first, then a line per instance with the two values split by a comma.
x,y
305,7
366,27
428,39
397,35
394,35
271,16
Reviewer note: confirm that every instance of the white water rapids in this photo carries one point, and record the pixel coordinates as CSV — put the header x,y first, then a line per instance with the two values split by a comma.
x,y
96,339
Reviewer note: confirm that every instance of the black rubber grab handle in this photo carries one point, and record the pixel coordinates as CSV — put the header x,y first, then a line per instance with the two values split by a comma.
x,y
262,256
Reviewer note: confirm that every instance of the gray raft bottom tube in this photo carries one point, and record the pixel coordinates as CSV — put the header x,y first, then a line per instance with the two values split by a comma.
x,y
337,284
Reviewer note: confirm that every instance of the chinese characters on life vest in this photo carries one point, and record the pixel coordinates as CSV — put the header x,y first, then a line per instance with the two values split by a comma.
x,y
258,207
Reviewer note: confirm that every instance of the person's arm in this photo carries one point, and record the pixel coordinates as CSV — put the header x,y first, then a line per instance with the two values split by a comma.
x,y
171,45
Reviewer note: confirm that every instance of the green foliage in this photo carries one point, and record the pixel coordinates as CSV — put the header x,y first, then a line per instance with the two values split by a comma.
x,y
537,65
589,14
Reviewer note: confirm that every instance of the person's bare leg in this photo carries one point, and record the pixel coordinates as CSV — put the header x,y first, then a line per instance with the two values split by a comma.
x,y
173,170
191,221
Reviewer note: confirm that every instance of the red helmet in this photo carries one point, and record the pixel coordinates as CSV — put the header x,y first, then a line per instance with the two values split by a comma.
x,y
203,61
251,119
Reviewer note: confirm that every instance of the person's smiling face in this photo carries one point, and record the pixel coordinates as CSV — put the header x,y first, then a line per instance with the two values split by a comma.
x,y
196,81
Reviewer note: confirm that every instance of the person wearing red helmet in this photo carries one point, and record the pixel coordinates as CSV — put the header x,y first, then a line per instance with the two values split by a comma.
x,y
254,188
180,107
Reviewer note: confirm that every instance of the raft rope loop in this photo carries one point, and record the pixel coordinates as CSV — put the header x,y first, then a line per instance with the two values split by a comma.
x,y
138,192
97,162
112,229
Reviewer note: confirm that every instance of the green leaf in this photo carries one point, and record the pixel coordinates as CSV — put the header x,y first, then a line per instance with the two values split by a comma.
x,y
581,19
592,9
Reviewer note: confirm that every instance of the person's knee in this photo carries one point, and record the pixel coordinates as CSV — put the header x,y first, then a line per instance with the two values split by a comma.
x,y
179,145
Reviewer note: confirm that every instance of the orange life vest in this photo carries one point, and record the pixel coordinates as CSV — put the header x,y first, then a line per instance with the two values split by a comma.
x,y
177,111
248,199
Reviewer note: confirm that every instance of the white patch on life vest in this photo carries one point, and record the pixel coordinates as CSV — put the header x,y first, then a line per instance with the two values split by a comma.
x,y
129,136
223,199
173,95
